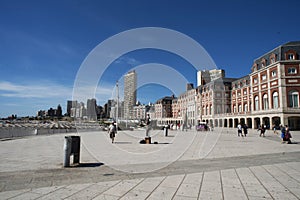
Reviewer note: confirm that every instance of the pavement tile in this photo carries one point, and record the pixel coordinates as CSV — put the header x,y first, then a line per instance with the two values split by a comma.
x,y
162,193
232,187
167,188
188,190
251,184
13,193
274,187
178,197
144,188
291,184
122,187
27,196
149,184
65,192
211,183
46,190
135,194
172,181
190,186
106,197
92,191
194,178
210,195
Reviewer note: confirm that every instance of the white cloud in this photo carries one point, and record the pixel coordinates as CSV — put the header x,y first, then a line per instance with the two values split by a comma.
x,y
127,60
36,90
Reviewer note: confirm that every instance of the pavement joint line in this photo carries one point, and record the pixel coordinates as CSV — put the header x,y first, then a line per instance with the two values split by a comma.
x,y
286,173
178,187
143,179
263,167
201,182
222,189
156,187
293,168
108,188
261,183
79,191
241,183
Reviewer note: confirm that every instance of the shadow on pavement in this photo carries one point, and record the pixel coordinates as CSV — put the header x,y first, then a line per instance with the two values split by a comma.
x,y
89,165
123,142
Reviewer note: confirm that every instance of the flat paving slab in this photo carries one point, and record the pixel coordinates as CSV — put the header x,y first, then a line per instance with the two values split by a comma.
x,y
214,165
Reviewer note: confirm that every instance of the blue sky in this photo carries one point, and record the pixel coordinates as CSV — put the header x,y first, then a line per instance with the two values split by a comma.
x,y
43,43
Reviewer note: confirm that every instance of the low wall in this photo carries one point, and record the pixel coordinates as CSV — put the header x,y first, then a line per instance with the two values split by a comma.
x,y
12,132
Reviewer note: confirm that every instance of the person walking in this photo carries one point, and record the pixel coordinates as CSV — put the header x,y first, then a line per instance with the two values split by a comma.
x,y
275,129
245,128
287,136
239,127
262,130
112,131
282,135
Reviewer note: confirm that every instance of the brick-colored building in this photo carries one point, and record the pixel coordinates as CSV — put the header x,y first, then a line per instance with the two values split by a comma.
x,y
269,95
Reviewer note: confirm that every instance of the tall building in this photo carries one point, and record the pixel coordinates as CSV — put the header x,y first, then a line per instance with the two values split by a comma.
x,y
70,105
91,109
130,87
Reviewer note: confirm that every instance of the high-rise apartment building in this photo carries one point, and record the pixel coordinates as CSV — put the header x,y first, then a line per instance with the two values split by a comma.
x,y
130,87
91,109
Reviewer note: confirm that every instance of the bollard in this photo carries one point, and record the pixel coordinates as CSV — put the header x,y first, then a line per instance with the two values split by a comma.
x,y
71,147
166,130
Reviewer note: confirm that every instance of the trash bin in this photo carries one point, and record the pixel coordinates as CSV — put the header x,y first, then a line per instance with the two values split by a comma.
x,y
166,130
71,147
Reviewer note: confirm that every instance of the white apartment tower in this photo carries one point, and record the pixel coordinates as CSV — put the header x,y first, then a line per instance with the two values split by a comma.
x,y
130,84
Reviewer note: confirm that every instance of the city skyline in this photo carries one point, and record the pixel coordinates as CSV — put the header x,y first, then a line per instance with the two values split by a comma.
x,y
43,44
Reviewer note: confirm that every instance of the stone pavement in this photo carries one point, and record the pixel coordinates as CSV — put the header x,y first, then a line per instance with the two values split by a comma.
x,y
215,165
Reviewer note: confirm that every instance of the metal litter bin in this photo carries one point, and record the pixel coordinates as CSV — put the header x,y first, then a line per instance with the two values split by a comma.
x,y
71,147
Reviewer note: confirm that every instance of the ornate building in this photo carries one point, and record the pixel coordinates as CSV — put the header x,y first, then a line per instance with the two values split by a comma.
x,y
269,95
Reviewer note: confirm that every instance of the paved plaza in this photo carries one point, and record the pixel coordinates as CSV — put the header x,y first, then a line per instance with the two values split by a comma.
x,y
184,165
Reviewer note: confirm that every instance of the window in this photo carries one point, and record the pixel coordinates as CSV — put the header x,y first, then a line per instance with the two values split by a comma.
x,y
218,109
275,100
292,70
246,108
293,99
234,109
265,102
291,56
240,108
255,80
274,73
264,77
210,110
272,60
245,92
256,105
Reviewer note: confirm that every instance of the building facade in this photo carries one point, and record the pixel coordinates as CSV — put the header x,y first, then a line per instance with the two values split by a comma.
x,y
269,95
130,87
